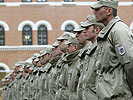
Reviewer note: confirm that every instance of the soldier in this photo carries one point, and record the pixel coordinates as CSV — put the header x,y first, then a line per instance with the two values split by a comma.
x,y
43,81
68,78
61,62
4,88
17,66
5,96
27,81
114,53
81,37
36,71
92,28
56,54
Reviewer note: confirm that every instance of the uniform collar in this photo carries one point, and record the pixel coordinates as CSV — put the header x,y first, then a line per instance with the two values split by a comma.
x,y
105,30
84,49
93,46
71,56
47,67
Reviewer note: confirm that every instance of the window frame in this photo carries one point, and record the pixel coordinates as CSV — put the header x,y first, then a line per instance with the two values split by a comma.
x,y
45,34
1,1
26,1
69,25
41,1
68,1
3,36
25,35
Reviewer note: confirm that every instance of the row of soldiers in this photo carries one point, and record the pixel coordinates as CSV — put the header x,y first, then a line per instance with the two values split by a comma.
x,y
95,63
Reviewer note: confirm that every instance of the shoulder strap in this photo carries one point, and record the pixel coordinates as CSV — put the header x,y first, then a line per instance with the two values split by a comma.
x,y
109,32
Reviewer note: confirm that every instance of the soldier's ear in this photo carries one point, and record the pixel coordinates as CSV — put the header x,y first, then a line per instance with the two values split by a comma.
x,y
76,47
109,11
97,30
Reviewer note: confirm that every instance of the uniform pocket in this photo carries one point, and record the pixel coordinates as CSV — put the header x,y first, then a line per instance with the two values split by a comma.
x,y
72,79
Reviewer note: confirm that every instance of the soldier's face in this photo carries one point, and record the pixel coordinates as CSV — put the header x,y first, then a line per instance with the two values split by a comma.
x,y
100,14
63,46
34,62
45,59
17,68
71,48
81,37
57,51
39,64
90,33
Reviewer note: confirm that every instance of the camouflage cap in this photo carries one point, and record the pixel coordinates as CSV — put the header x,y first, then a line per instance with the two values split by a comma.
x,y
31,68
42,52
46,51
3,80
72,40
28,65
79,29
36,59
108,3
21,69
8,76
36,55
66,36
56,44
19,64
91,20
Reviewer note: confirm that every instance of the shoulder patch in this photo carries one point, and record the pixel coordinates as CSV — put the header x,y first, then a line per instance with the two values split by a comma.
x,y
121,50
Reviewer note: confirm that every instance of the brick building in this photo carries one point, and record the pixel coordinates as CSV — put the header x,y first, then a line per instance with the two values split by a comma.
x,y
27,26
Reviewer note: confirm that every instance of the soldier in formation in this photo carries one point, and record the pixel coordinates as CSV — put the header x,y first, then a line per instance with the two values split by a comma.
x,y
93,63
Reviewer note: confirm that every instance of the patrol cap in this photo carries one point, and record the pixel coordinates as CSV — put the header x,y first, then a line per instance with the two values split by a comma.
x,y
28,65
72,40
42,52
35,56
21,69
31,68
56,44
46,51
91,20
36,59
8,76
65,36
3,80
79,29
107,3
19,64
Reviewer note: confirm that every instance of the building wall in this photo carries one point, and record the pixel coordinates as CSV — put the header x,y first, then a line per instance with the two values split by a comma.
x,y
14,14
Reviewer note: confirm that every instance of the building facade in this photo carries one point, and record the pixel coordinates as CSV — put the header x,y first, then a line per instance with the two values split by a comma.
x,y
28,26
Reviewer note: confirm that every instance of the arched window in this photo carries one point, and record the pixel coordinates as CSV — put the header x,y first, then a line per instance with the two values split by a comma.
x,y
26,0
1,0
27,35
41,0
68,0
69,28
2,36
42,35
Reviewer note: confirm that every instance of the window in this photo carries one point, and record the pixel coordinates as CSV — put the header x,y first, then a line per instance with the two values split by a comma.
x,y
69,28
41,0
27,35
42,35
26,0
2,36
68,0
1,0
